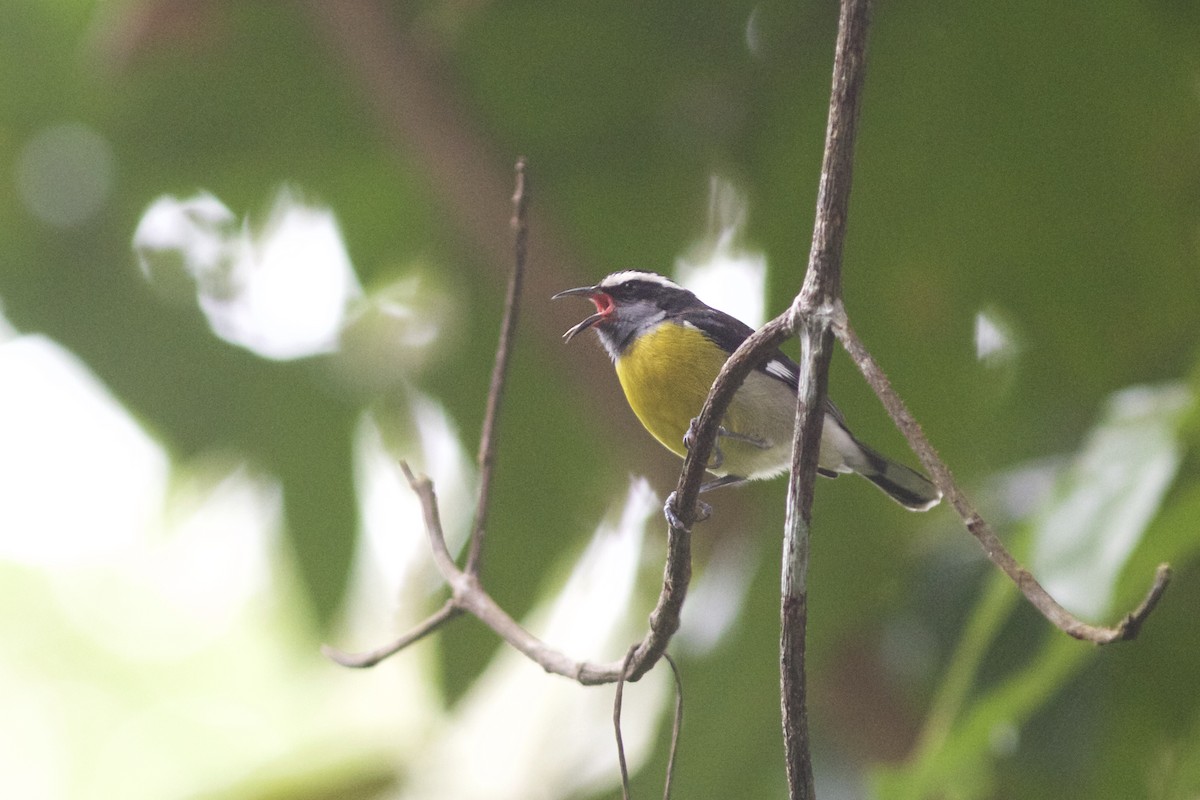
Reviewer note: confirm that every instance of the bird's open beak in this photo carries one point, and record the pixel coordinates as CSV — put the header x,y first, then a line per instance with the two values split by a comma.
x,y
603,309
582,291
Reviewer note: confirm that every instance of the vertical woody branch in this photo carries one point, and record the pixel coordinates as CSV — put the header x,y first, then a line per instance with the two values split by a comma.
x,y
819,301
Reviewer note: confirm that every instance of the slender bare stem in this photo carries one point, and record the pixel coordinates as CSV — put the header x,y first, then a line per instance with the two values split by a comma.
x,y
812,312
369,659
1058,616
816,347
508,330
676,726
617,698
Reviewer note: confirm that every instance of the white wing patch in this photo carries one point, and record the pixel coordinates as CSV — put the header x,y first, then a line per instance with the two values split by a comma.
x,y
780,370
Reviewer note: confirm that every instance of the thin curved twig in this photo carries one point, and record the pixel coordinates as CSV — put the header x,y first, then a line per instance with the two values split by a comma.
x,y
617,698
447,612
1038,597
676,726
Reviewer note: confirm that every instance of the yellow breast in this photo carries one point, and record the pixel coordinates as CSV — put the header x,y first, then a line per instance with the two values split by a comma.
x,y
666,374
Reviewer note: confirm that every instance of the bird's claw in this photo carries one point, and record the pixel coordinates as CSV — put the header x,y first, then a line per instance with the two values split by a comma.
x,y
703,512
689,439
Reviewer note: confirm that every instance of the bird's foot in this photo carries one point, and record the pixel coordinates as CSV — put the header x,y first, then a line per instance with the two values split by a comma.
x,y
703,512
718,458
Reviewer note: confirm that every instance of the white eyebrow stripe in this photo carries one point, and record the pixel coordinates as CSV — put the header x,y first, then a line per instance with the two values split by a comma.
x,y
618,278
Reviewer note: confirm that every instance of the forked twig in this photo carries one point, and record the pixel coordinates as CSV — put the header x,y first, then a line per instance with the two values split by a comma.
x,y
676,726
486,459
467,593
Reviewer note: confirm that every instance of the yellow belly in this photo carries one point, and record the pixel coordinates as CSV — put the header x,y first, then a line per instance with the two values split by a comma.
x,y
666,375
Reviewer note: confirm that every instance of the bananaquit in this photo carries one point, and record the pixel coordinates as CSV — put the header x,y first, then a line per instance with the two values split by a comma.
x,y
668,347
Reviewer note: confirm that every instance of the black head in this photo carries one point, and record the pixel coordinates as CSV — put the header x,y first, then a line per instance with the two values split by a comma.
x,y
628,304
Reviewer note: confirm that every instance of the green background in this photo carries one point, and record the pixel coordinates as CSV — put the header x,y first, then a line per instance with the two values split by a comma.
x,y
1037,160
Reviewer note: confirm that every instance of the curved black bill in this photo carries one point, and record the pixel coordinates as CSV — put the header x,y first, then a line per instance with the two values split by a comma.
x,y
585,291
581,291
583,326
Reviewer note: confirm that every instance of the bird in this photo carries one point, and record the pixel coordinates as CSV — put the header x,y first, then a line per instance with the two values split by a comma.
x,y
667,347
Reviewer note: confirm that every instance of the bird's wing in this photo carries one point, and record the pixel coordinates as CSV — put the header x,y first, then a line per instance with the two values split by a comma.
x,y
728,333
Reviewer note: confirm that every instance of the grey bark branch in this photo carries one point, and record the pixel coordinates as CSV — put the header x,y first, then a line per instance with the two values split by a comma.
x,y
819,300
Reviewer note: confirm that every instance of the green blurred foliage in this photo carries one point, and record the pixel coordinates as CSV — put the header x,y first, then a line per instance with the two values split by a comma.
x,y
1039,159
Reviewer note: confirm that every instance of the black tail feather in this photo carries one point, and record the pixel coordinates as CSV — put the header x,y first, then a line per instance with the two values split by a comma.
x,y
906,486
